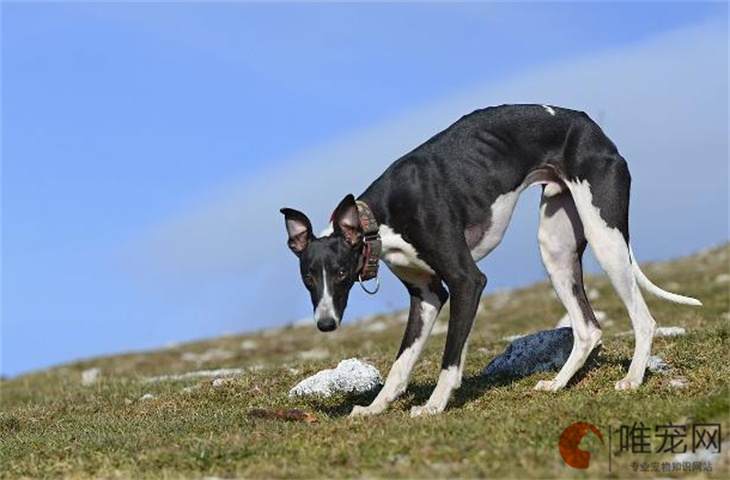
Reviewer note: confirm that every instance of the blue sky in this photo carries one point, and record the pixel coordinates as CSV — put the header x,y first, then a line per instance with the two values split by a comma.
x,y
147,147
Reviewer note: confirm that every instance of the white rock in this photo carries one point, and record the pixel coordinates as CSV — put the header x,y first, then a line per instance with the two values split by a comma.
x,y
221,372
593,294
90,376
351,375
669,331
723,278
679,382
249,345
314,354
221,382
600,315
656,364
147,396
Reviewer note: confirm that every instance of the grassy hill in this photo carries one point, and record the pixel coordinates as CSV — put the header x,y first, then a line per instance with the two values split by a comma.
x,y
51,425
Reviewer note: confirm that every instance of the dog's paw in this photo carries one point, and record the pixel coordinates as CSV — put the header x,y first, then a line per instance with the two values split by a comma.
x,y
547,386
424,410
628,384
360,411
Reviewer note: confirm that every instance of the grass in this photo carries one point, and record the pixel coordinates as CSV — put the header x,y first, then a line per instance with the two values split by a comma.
x,y
52,426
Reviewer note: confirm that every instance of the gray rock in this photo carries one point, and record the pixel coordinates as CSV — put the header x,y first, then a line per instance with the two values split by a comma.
x,y
534,353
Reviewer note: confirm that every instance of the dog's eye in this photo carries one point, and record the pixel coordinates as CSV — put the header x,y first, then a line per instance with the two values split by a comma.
x,y
341,274
309,281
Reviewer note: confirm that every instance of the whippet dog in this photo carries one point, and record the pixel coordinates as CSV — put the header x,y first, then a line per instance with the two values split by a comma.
x,y
438,210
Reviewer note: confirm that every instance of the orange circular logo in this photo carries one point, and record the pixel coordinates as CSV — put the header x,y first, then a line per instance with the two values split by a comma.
x,y
569,441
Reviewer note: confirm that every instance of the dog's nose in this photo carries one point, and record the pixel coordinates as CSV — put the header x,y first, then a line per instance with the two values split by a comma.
x,y
327,324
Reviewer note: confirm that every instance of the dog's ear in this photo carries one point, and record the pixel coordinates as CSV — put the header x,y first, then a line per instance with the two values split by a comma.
x,y
346,221
299,229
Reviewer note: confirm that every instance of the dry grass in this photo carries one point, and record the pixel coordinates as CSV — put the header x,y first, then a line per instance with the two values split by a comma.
x,y
52,426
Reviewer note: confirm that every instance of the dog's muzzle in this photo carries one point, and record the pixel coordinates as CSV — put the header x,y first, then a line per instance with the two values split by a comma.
x,y
327,324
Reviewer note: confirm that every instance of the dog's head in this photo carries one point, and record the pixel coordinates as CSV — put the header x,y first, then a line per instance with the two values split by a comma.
x,y
329,265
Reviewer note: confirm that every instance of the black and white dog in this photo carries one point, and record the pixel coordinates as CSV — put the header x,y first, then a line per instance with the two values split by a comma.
x,y
444,206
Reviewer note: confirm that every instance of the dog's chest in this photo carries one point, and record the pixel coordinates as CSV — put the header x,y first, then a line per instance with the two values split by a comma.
x,y
398,254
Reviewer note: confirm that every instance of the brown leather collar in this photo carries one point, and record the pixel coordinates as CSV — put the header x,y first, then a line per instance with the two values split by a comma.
x,y
372,242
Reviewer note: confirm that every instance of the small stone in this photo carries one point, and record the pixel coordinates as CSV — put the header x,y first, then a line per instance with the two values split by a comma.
x,y
656,364
90,376
147,396
679,382
723,278
222,382
593,294
249,345
669,331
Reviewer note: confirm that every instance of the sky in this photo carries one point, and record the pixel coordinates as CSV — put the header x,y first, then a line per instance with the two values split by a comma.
x,y
147,147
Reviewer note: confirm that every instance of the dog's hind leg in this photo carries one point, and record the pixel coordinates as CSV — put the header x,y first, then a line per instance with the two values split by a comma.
x,y
562,243
601,195
428,295
466,284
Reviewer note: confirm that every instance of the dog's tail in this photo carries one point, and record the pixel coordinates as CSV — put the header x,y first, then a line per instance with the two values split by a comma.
x,y
649,286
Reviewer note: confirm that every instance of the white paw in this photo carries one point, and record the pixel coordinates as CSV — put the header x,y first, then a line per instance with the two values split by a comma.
x,y
628,384
360,411
547,386
425,410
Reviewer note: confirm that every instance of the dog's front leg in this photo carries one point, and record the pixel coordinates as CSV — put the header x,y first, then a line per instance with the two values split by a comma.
x,y
427,298
466,292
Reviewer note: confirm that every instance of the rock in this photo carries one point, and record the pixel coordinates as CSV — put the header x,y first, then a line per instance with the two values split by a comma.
x,y
146,396
90,376
679,382
669,331
534,353
222,382
350,376
249,345
593,294
659,332
656,364
723,278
